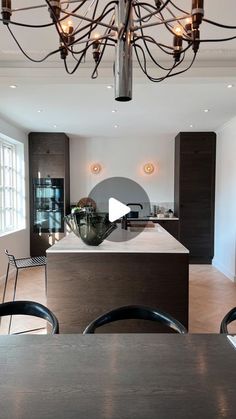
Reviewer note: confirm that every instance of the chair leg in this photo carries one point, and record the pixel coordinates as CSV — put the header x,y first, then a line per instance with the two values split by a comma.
x,y
5,285
46,281
14,296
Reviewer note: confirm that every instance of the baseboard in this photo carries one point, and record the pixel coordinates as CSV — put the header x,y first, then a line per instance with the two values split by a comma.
x,y
224,270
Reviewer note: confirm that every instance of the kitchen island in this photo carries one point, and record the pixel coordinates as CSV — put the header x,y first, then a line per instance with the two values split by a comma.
x,y
86,281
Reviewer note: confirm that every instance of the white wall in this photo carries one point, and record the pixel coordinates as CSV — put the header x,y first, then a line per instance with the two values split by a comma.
x,y
225,217
123,157
18,242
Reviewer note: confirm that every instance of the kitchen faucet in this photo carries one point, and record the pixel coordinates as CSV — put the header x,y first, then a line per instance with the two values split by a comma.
x,y
124,219
135,203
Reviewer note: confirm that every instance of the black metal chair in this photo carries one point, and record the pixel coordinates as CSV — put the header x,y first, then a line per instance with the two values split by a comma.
x,y
30,308
22,263
229,317
136,312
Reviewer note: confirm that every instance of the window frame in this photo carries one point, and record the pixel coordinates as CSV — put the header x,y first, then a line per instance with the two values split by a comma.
x,y
12,217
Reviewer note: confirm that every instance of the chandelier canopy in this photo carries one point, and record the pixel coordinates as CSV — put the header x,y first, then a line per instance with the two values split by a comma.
x,y
87,28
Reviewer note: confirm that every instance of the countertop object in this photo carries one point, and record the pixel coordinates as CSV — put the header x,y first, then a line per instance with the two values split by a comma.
x,y
117,376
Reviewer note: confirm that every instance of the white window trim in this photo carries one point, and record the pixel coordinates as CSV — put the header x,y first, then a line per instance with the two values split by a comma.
x,y
15,221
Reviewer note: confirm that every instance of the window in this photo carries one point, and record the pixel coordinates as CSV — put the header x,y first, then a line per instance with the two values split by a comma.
x,y
12,199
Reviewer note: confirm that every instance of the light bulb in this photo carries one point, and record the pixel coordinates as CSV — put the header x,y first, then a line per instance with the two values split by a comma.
x,y
95,168
178,30
148,168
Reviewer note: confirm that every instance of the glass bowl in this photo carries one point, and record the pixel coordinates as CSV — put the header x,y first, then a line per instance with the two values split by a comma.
x,y
92,227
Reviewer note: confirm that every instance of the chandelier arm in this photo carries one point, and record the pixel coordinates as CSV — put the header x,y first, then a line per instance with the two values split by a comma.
x,y
78,62
163,22
169,74
26,25
144,67
178,20
186,69
22,9
79,40
152,40
60,33
156,11
220,25
26,55
46,25
218,40
114,28
143,5
153,59
178,8
104,14
95,71
91,26
88,25
86,41
173,33
146,46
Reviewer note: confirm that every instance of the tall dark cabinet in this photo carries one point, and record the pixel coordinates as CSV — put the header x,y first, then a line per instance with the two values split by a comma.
x,y
195,154
49,189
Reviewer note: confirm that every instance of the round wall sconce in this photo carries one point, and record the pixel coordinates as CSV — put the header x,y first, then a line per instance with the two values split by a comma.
x,y
95,168
148,168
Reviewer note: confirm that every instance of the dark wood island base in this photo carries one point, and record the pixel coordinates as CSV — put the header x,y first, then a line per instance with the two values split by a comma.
x,y
87,282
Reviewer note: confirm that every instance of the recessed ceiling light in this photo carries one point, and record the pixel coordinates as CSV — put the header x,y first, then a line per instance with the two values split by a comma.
x,y
109,86
230,86
115,126
206,110
13,86
114,110
39,110
191,125
54,126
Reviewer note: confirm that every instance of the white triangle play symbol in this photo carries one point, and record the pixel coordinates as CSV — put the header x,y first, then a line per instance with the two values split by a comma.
x,y
117,209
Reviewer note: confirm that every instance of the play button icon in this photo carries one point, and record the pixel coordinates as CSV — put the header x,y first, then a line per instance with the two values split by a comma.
x,y
117,209
113,196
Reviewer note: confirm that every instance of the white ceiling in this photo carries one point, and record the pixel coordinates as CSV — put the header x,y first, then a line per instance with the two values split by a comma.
x,y
80,106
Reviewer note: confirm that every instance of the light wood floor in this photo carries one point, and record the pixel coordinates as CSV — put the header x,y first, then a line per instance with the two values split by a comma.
x,y
211,296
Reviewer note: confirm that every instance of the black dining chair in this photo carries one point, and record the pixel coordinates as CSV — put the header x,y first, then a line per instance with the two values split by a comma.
x,y
29,308
229,318
23,263
136,312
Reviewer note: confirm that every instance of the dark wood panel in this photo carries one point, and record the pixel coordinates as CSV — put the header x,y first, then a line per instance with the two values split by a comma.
x,y
48,165
195,192
117,377
82,286
48,157
47,143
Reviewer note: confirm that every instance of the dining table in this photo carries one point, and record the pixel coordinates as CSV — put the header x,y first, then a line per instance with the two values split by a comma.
x,y
117,376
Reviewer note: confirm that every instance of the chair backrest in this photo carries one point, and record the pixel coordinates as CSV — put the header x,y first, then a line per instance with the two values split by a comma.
x,y
11,258
30,308
229,317
136,312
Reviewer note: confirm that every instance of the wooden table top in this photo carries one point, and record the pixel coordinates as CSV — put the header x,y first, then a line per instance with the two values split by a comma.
x,y
117,376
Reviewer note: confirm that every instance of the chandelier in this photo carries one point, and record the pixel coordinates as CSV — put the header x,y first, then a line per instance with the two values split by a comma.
x,y
89,28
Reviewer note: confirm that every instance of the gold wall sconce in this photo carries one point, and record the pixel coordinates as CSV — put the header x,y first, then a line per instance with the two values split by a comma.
x,y
95,168
148,168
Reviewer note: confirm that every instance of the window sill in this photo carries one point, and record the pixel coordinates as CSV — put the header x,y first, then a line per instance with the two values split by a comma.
x,y
7,233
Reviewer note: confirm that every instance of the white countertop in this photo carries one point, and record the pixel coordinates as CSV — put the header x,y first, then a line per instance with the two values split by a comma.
x,y
150,240
152,218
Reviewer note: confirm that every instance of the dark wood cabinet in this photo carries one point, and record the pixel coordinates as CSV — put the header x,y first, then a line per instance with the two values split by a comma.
x,y
195,192
48,159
